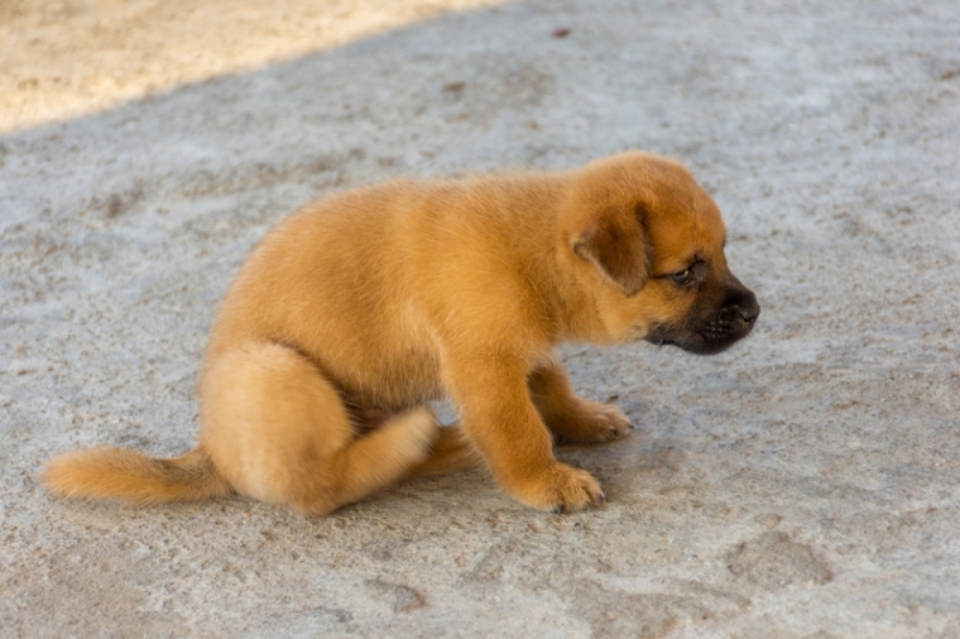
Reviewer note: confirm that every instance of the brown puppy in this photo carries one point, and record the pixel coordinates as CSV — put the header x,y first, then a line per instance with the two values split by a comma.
x,y
360,308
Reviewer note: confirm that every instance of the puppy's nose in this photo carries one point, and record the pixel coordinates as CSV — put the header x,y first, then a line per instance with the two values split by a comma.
x,y
748,309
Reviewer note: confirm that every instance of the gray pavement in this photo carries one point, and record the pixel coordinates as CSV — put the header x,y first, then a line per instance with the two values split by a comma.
x,y
804,484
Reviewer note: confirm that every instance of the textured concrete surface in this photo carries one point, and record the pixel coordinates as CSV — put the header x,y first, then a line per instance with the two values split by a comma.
x,y
804,484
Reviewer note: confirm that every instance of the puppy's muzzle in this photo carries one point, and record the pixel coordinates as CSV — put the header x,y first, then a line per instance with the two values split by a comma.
x,y
733,321
714,324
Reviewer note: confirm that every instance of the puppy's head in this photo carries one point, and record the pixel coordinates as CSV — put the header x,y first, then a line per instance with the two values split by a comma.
x,y
645,246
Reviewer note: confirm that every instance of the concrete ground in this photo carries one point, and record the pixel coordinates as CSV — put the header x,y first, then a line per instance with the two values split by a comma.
x,y
804,484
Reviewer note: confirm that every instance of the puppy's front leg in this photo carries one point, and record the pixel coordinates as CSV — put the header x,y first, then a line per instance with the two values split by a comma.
x,y
500,419
572,419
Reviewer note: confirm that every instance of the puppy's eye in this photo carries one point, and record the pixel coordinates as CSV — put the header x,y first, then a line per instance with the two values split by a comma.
x,y
683,277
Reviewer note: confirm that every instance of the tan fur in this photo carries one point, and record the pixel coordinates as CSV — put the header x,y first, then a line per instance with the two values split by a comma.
x,y
115,473
360,308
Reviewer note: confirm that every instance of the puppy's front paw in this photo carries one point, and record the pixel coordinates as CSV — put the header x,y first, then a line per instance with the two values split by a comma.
x,y
560,489
592,423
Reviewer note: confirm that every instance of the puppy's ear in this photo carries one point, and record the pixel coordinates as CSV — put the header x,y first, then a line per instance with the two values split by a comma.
x,y
616,244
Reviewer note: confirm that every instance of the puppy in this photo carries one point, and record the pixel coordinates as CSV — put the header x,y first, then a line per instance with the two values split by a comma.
x,y
362,307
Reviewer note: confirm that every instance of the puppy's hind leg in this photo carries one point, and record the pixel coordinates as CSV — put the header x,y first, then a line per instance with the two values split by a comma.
x,y
376,460
278,430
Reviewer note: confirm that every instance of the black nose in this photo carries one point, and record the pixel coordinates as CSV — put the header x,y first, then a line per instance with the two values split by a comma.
x,y
748,309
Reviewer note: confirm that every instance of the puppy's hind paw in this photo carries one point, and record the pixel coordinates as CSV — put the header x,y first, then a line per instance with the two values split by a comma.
x,y
417,431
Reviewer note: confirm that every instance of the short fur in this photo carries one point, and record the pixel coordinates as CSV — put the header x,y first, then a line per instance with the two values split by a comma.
x,y
361,307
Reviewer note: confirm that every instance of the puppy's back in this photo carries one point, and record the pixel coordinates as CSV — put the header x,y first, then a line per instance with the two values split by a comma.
x,y
360,280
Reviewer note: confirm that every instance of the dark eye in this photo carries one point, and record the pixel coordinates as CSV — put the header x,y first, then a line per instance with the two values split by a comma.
x,y
683,277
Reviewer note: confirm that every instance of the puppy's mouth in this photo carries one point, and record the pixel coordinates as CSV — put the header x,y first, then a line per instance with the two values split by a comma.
x,y
717,332
711,340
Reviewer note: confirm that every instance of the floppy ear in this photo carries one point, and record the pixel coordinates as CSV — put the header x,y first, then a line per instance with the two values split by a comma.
x,y
616,244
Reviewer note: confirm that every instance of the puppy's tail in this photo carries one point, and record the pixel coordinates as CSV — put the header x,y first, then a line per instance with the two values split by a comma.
x,y
121,473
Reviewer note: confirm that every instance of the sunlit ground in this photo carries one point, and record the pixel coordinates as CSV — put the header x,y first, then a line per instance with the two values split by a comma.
x,y
64,58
